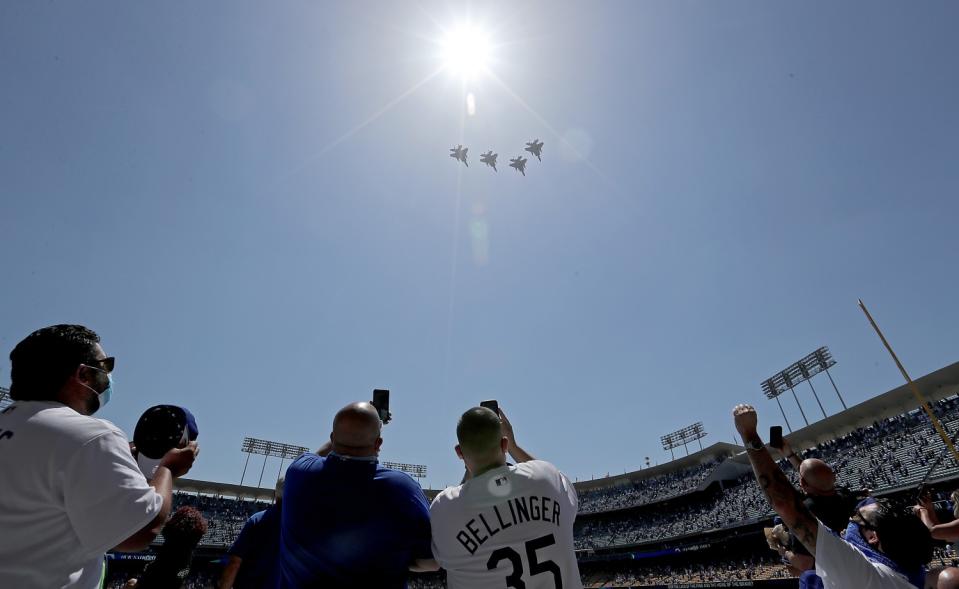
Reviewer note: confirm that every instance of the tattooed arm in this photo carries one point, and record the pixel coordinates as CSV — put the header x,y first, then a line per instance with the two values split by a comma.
x,y
783,497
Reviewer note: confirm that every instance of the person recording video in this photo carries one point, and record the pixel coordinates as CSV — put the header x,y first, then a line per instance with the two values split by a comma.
x,y
483,526
347,520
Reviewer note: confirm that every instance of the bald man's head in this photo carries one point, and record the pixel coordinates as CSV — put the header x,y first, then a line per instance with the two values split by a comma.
x,y
356,430
479,432
816,477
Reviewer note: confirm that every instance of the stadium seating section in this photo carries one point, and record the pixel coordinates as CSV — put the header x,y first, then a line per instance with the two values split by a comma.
x,y
678,508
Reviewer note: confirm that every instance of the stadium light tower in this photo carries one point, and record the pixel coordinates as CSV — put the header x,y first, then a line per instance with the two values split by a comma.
x,y
268,448
682,437
417,471
802,370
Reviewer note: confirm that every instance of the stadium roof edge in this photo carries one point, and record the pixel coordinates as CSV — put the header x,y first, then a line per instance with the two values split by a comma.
x,y
935,386
712,452
222,489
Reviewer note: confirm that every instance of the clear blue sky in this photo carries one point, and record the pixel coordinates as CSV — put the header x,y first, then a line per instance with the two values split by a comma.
x,y
176,177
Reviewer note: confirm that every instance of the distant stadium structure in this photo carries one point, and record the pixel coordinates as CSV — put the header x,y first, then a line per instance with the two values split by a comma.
x,y
697,520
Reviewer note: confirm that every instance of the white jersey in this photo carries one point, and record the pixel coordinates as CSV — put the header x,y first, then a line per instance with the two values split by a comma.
x,y
840,564
70,491
509,527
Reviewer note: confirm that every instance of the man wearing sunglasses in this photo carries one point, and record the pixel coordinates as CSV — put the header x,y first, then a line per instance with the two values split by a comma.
x,y
71,488
883,547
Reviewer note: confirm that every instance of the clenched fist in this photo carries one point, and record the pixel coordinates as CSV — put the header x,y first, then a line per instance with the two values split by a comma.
x,y
746,420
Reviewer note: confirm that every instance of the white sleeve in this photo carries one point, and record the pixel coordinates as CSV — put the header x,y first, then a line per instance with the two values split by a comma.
x,y
563,485
839,564
570,491
106,496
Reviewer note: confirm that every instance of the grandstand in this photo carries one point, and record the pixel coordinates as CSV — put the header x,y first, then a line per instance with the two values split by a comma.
x,y
5,399
698,520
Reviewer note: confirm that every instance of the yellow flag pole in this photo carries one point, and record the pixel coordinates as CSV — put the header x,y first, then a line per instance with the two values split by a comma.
x,y
912,385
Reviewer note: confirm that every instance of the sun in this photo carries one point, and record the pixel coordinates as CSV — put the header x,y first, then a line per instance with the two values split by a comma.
x,y
465,51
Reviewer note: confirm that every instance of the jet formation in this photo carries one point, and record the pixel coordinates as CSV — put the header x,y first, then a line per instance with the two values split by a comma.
x,y
518,163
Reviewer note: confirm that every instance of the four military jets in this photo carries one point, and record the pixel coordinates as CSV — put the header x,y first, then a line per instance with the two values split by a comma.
x,y
518,163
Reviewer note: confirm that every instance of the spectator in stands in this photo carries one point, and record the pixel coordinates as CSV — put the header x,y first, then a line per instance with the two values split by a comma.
x,y
831,506
175,556
926,511
346,520
883,547
252,558
504,516
71,488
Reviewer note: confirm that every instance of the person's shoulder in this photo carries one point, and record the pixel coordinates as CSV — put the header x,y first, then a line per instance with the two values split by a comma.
x,y
307,460
256,517
890,576
397,478
537,468
445,498
62,421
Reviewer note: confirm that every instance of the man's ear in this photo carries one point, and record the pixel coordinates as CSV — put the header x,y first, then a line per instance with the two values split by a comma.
x,y
459,452
378,443
82,374
504,444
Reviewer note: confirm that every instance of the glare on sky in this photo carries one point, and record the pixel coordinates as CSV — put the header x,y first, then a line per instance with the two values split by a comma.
x,y
465,51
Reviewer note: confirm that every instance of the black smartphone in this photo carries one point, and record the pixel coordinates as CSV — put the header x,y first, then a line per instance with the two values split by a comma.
x,y
492,405
776,436
381,400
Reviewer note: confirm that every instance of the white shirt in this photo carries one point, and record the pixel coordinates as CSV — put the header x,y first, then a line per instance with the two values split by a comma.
x,y
842,566
512,523
70,491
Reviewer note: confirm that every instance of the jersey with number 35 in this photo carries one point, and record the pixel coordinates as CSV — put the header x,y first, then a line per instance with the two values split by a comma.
x,y
511,527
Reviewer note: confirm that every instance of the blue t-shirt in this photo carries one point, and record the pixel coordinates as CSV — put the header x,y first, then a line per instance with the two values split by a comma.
x,y
350,523
258,545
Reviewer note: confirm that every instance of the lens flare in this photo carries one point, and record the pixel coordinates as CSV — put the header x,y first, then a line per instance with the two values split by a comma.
x,y
466,51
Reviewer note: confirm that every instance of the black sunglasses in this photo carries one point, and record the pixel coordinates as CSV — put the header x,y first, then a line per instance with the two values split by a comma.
x,y
860,520
105,363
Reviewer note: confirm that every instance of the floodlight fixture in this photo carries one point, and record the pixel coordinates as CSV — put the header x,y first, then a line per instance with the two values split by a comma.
x,y
802,370
682,437
269,449
417,471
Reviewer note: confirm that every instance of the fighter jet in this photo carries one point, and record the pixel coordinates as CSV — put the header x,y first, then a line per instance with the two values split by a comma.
x,y
519,163
535,147
459,153
489,158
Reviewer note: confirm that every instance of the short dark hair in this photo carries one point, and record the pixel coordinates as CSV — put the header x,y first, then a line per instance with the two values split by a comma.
x,y
902,535
479,430
45,359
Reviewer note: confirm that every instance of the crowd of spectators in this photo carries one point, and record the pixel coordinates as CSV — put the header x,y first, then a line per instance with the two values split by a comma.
x,y
740,503
762,566
204,579
225,515
645,491
893,452
877,457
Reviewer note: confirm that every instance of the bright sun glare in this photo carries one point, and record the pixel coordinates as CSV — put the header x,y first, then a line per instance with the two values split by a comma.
x,y
465,51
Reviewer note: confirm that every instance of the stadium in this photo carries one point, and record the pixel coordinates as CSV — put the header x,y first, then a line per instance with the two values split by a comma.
x,y
224,224
696,521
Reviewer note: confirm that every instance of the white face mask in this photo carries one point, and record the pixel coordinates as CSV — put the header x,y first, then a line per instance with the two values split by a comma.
x,y
102,397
